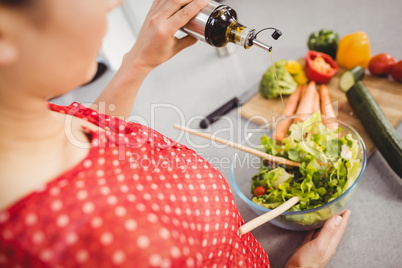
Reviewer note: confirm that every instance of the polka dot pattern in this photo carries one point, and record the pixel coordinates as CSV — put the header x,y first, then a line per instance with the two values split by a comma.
x,y
138,199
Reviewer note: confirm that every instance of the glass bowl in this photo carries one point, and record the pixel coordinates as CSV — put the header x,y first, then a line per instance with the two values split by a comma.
x,y
244,166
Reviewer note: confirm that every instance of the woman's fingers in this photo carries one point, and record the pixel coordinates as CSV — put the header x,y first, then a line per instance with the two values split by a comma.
x,y
156,41
156,3
316,252
308,237
171,15
341,230
317,232
167,8
333,230
182,16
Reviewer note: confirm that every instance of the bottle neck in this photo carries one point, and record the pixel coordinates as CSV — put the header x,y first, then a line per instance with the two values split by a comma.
x,y
222,28
239,34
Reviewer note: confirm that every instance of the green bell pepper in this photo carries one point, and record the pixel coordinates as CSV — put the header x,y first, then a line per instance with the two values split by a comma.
x,y
325,41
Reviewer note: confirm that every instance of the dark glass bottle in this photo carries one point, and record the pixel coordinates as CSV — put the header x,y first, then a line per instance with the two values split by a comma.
x,y
217,25
222,27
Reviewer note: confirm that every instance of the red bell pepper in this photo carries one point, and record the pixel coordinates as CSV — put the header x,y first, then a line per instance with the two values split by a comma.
x,y
320,67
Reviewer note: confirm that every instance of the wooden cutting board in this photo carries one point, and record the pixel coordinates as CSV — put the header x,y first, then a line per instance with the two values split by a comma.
x,y
387,93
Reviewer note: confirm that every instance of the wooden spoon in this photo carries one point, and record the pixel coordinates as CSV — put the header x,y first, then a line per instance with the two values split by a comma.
x,y
260,220
273,158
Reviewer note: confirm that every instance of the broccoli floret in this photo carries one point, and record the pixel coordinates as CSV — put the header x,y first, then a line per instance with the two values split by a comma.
x,y
269,87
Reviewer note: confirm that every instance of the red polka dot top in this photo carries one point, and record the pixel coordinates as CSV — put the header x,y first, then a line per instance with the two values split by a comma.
x,y
138,199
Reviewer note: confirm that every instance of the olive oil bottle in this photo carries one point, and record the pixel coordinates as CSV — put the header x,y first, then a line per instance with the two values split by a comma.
x,y
217,25
223,27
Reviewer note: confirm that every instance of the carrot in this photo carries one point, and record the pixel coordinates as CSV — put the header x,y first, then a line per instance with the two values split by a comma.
x,y
291,105
303,91
326,108
290,109
306,104
316,101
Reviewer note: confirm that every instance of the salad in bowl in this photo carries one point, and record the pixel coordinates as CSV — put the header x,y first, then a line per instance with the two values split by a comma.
x,y
332,160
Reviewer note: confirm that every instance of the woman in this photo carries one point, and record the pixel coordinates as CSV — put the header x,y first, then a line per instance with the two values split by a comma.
x,y
84,188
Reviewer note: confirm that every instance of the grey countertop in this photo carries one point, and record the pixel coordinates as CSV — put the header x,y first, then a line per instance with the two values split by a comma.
x,y
197,81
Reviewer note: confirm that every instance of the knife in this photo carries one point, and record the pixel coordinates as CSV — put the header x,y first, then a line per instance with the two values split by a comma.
x,y
231,104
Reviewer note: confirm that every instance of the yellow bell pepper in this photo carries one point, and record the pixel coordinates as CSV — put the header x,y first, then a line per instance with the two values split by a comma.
x,y
296,70
354,50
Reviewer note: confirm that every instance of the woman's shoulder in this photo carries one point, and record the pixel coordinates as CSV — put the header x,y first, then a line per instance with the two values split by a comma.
x,y
118,130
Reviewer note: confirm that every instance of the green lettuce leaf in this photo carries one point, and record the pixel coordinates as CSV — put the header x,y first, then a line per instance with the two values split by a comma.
x,y
328,167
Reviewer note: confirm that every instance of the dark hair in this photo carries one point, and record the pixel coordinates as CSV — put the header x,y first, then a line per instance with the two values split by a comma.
x,y
13,2
23,4
32,8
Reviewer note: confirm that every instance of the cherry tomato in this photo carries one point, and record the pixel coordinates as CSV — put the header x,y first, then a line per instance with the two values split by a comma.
x,y
259,190
381,64
396,72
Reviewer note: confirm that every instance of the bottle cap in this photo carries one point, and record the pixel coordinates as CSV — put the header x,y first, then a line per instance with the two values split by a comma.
x,y
276,34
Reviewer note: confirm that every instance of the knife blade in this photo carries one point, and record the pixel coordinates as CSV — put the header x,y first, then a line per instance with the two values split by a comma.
x,y
228,106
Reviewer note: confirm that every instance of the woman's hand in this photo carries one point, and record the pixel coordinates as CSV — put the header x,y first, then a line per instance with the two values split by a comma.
x,y
319,247
156,42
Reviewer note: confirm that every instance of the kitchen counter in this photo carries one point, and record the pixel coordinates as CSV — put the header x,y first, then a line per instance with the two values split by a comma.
x,y
197,81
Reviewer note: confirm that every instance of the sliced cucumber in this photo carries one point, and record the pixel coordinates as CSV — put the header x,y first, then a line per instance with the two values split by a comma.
x,y
350,77
381,132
